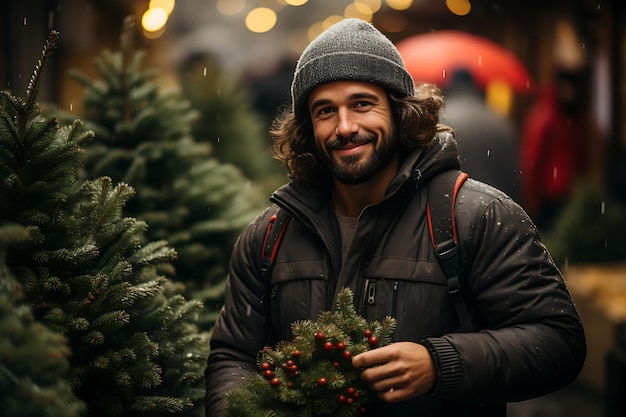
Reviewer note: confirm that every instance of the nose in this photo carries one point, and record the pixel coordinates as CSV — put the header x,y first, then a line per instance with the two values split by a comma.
x,y
346,124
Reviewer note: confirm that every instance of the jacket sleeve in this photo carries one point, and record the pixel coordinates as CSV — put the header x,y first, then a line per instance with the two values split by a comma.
x,y
239,333
531,340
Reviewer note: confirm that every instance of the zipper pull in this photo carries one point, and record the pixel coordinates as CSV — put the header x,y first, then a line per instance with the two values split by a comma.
x,y
371,292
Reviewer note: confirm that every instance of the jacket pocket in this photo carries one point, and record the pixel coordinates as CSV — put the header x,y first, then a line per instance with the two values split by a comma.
x,y
414,292
297,292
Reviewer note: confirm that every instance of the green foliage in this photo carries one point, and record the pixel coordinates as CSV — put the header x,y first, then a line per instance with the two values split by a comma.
x,y
33,359
196,202
312,375
228,121
592,228
90,274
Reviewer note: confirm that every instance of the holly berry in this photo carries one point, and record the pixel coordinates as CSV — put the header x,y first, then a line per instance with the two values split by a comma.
x,y
322,382
268,373
367,333
275,382
373,341
265,366
347,354
340,346
328,346
320,335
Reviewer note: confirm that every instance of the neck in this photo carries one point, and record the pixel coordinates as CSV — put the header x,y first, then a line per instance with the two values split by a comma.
x,y
350,200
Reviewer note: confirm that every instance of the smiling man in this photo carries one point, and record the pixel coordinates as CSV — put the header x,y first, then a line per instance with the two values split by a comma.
x,y
361,144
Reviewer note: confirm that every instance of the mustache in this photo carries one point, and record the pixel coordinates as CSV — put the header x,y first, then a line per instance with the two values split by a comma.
x,y
354,140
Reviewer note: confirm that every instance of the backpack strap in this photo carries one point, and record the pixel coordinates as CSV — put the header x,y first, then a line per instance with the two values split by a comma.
x,y
273,237
442,192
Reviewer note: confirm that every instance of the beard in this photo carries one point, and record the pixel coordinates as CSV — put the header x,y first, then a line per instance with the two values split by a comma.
x,y
352,170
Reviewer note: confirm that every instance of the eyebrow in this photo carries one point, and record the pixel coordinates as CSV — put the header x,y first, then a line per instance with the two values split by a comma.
x,y
353,97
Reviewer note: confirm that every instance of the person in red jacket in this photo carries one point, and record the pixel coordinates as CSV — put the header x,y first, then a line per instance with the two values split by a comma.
x,y
554,155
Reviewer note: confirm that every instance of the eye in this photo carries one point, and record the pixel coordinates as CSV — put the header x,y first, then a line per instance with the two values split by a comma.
x,y
324,111
362,104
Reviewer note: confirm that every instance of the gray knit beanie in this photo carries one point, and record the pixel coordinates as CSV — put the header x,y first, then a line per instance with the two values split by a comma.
x,y
349,50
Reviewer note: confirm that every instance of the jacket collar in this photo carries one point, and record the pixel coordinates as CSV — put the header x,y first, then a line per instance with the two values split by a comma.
x,y
418,167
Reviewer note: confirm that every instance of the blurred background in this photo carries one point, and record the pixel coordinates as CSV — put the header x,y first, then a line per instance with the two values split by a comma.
x,y
534,89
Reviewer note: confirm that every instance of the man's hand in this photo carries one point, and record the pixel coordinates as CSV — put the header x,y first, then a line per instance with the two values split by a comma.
x,y
398,371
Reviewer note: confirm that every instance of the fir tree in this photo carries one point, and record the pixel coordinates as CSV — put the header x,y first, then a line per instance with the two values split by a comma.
x,y
89,274
312,375
228,121
33,359
187,196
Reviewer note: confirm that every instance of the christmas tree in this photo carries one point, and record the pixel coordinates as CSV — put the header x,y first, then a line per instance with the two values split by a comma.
x,y
90,274
33,359
312,375
188,197
237,133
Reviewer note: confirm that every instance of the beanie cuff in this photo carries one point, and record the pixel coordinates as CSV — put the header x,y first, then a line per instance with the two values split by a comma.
x,y
346,66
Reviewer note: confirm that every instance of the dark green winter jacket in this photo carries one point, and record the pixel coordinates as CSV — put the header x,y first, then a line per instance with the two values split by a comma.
x,y
531,340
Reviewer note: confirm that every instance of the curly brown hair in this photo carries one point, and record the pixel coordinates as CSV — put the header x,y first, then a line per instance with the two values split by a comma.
x,y
416,121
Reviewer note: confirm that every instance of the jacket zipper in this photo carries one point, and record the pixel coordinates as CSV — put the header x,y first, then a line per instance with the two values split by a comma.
x,y
370,292
394,301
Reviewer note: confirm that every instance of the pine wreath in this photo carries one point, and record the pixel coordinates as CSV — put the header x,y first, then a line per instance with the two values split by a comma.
x,y
312,375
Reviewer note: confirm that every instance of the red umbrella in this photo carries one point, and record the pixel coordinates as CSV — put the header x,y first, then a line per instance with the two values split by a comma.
x,y
433,57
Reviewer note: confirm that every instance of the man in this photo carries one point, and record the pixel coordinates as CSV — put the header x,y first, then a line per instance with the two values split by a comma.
x,y
361,143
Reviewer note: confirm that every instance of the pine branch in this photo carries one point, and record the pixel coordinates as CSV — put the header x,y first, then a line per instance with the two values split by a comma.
x,y
32,91
312,375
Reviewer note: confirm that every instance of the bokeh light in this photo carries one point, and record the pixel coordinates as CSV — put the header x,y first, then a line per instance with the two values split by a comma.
x,y
364,13
372,5
167,5
154,19
399,4
459,7
230,7
261,20
296,2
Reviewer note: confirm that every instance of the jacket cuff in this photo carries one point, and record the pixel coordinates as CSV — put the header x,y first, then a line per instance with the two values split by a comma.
x,y
450,374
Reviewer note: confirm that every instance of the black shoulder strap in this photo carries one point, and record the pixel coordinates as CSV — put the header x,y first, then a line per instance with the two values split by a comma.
x,y
442,192
273,237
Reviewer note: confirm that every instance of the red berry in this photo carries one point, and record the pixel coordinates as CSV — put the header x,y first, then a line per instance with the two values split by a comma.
x,y
297,353
336,364
268,373
290,362
346,354
328,346
320,335
362,410
373,341
349,401
342,398
275,382
290,384
367,333
350,391
265,366
322,382
340,346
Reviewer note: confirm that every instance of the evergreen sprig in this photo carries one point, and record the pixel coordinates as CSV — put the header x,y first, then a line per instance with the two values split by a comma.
x,y
312,375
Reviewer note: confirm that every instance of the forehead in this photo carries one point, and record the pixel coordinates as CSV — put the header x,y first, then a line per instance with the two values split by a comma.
x,y
346,88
